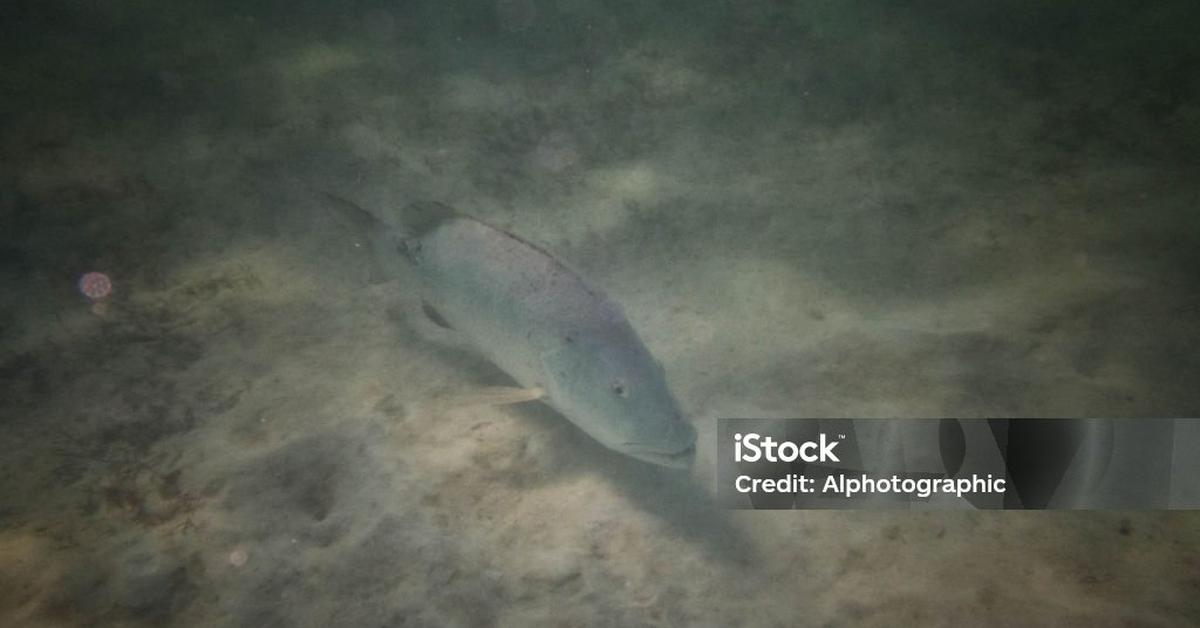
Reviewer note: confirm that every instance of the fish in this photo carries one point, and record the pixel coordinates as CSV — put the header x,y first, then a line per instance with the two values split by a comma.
x,y
563,340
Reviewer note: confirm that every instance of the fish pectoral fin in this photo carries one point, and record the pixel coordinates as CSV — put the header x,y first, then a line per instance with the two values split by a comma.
x,y
435,316
492,396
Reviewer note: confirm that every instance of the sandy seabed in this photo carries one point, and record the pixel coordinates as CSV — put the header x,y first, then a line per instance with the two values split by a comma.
x,y
803,212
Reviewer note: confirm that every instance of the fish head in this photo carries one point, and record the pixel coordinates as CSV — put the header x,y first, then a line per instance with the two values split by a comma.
x,y
613,389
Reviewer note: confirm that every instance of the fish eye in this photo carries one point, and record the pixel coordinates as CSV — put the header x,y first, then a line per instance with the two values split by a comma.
x,y
619,389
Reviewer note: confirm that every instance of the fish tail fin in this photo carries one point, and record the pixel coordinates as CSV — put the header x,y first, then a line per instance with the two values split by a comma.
x,y
418,219
352,215
366,229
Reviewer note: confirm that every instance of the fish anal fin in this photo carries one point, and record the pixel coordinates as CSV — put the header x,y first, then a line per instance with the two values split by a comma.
x,y
491,396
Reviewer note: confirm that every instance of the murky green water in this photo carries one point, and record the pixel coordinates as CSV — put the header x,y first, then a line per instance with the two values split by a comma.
x,y
886,209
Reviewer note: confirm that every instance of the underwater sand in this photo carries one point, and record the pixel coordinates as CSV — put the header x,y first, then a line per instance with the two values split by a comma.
x,y
881,212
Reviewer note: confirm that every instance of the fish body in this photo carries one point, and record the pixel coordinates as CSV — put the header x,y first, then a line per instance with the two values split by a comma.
x,y
548,328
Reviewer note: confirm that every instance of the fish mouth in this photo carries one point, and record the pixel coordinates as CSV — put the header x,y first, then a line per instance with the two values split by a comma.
x,y
681,459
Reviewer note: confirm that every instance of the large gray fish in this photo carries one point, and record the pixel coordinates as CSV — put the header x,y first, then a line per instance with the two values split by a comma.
x,y
560,338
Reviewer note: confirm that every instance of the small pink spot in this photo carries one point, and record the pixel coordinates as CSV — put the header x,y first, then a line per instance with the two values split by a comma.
x,y
238,557
95,286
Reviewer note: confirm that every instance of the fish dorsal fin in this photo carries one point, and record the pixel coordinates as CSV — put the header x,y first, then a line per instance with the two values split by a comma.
x,y
419,218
